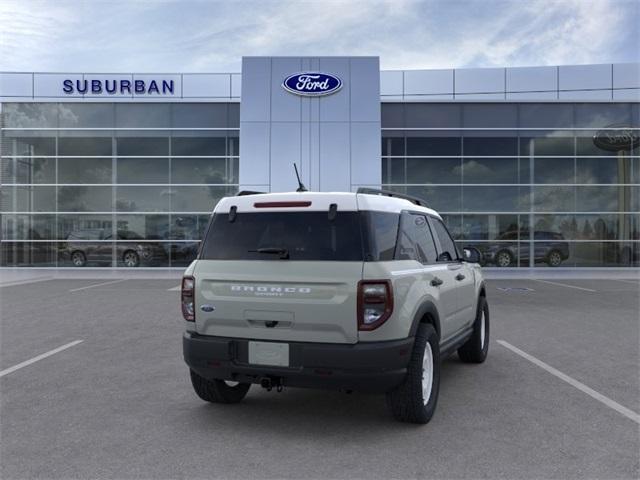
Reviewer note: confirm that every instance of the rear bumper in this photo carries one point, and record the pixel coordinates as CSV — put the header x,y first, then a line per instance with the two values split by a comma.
x,y
366,367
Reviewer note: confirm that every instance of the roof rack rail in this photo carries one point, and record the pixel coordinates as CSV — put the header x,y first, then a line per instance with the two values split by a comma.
x,y
242,193
387,193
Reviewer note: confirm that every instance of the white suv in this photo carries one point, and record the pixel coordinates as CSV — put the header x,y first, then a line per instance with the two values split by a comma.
x,y
357,291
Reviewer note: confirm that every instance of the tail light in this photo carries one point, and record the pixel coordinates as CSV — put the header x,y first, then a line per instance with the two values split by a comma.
x,y
375,303
188,298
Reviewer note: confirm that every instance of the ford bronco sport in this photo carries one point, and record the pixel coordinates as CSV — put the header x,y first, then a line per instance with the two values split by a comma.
x,y
351,291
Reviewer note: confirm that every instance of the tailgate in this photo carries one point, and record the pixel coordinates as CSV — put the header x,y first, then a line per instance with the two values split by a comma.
x,y
298,301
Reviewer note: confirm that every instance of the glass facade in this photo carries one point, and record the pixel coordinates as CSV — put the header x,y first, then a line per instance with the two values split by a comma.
x,y
524,183
133,184
112,184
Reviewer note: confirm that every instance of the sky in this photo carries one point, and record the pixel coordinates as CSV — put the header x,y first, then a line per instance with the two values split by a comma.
x,y
212,36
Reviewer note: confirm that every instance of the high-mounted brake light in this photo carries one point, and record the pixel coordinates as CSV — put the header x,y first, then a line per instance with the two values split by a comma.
x,y
281,204
375,303
188,294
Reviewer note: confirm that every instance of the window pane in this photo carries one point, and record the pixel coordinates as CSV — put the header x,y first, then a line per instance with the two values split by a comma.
x,y
553,170
29,254
495,199
27,199
442,199
425,115
84,199
32,146
147,227
546,115
30,115
490,170
606,254
599,115
182,253
434,146
434,170
143,170
84,226
548,146
197,199
84,170
603,170
414,240
28,227
85,115
28,170
489,146
198,146
201,170
143,146
554,199
143,115
188,227
144,199
447,250
488,227
84,146
490,115
392,146
200,115
602,199
392,115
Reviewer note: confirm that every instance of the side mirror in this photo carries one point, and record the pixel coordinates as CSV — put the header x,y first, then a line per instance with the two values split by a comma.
x,y
472,255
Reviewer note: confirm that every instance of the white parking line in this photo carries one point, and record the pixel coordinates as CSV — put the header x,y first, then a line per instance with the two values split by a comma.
x,y
632,282
38,358
25,282
174,289
97,285
564,285
575,383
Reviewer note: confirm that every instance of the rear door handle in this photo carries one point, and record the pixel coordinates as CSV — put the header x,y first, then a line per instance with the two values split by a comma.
x,y
436,282
460,277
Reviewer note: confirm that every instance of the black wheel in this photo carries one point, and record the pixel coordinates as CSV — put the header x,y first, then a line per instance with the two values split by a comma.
x,y
476,348
554,258
415,399
78,259
218,391
503,258
130,259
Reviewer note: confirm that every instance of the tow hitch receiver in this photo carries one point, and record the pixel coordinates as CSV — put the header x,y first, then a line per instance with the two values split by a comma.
x,y
269,383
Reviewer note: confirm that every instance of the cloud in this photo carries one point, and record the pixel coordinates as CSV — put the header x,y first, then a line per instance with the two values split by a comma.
x,y
165,36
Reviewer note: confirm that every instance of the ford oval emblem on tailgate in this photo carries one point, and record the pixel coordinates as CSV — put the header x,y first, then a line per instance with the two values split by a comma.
x,y
207,308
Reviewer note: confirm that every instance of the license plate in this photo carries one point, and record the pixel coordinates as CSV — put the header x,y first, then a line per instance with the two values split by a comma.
x,y
269,353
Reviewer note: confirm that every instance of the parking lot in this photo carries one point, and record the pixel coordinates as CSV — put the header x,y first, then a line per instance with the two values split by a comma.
x,y
558,397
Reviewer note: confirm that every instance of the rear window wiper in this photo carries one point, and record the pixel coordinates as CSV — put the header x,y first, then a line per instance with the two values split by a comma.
x,y
283,252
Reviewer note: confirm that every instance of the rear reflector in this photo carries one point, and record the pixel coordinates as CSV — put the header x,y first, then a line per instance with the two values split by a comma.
x,y
281,204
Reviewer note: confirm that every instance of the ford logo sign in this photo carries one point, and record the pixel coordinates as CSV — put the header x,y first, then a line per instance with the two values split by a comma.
x,y
617,137
207,308
312,84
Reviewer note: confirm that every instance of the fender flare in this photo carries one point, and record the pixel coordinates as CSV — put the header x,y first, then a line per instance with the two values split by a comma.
x,y
428,307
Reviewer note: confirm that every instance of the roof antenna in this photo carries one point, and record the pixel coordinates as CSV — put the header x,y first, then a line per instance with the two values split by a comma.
x,y
301,187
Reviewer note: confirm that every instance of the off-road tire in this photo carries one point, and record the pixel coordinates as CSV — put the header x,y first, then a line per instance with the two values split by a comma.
x,y
217,391
476,348
406,401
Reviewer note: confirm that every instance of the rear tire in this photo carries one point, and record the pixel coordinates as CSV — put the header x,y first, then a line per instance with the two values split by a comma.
x,y
218,391
554,259
476,348
415,399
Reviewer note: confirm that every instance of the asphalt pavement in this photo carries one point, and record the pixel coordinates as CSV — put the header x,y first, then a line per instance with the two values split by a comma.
x,y
114,399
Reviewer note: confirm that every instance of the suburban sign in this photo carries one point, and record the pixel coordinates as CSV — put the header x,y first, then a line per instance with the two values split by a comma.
x,y
616,138
121,86
312,84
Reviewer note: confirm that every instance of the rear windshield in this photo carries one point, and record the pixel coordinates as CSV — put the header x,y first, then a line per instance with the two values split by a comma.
x,y
290,235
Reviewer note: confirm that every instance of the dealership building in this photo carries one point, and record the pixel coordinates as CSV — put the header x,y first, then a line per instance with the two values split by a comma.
x,y
534,166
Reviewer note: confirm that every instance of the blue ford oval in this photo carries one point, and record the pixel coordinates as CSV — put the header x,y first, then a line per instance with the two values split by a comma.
x,y
312,84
